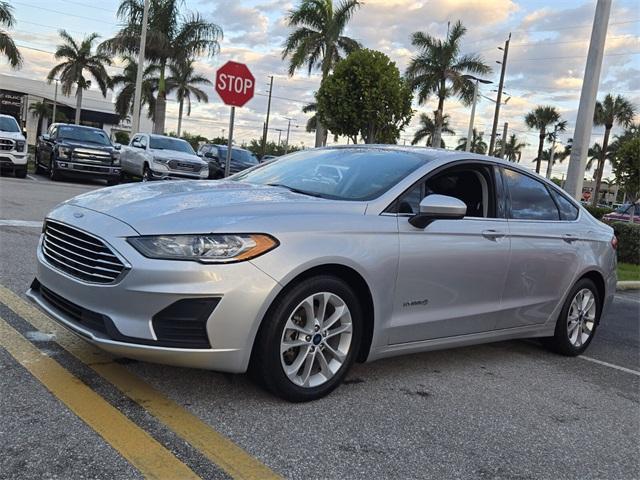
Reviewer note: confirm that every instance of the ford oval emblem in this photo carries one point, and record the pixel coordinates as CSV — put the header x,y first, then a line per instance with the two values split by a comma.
x,y
78,214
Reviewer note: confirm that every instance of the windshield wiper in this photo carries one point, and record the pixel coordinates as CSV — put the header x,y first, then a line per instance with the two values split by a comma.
x,y
296,190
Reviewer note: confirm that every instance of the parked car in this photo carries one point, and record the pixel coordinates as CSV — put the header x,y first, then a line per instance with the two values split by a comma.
x,y
157,157
216,156
74,150
297,277
623,214
13,147
268,157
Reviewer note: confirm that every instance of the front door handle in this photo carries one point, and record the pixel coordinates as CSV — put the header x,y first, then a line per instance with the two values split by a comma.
x,y
569,237
492,234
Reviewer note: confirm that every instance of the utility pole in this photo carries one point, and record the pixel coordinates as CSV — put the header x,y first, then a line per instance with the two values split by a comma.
x,y
473,109
286,145
584,121
266,124
227,164
552,153
496,115
135,123
279,130
55,101
504,139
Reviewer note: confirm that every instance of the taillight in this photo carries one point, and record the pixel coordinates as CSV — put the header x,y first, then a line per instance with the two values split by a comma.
x,y
614,242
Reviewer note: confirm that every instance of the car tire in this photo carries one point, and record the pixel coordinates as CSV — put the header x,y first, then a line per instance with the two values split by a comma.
x,y
578,320
323,357
20,172
146,174
54,174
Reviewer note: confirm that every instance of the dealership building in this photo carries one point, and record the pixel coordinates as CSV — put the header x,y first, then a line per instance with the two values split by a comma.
x,y
18,93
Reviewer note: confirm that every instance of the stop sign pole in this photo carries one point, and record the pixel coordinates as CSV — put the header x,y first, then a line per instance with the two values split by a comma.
x,y
235,84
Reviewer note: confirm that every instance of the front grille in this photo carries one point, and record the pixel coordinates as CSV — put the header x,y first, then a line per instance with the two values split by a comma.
x,y
183,324
80,255
184,166
91,156
82,316
6,145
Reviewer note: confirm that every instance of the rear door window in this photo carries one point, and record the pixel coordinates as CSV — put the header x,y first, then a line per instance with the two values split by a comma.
x,y
568,211
529,199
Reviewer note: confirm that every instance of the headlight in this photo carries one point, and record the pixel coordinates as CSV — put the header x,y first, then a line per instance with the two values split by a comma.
x,y
115,159
204,172
207,248
65,151
20,144
161,160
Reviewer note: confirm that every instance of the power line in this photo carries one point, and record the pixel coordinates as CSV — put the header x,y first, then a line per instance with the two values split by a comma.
x,y
64,13
82,4
572,56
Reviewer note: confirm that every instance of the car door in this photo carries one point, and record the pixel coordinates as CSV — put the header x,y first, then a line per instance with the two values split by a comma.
x,y
545,243
451,274
46,150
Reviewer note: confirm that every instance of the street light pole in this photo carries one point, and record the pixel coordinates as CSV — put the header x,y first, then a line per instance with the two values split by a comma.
x,y
552,152
55,101
266,124
584,121
504,139
473,109
137,98
286,145
496,114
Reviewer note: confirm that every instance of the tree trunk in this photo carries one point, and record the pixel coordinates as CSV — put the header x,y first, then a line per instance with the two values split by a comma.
x,y
180,116
540,148
437,134
600,170
161,104
78,105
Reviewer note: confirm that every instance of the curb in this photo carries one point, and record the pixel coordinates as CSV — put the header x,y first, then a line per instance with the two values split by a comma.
x,y
628,285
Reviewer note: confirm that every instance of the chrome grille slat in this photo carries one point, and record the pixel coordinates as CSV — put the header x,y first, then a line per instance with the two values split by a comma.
x,y
79,254
58,239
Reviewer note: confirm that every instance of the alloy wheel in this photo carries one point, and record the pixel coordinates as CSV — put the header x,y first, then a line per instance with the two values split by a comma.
x,y
316,339
581,317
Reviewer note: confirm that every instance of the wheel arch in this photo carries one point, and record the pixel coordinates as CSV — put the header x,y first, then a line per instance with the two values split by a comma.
x,y
356,281
598,279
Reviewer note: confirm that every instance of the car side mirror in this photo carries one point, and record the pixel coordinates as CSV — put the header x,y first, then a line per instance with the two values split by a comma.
x,y
209,155
438,207
136,144
117,146
45,137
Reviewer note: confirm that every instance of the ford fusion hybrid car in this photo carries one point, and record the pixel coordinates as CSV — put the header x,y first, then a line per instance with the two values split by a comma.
x,y
326,257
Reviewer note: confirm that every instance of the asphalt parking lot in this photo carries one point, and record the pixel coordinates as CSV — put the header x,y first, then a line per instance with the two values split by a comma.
x,y
508,410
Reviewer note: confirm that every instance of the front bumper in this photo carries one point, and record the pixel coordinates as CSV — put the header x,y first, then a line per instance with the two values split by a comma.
x,y
92,169
10,159
149,287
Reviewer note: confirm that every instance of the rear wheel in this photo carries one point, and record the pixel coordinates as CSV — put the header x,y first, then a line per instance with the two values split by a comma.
x,y
578,320
309,340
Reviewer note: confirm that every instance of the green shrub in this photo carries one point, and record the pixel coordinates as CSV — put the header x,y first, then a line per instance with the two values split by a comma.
x,y
628,241
122,138
598,212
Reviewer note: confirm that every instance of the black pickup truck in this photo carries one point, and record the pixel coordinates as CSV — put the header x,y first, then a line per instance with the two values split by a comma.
x,y
73,150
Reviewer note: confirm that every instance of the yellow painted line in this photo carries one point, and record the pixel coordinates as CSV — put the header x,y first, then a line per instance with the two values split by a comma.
x,y
133,443
231,458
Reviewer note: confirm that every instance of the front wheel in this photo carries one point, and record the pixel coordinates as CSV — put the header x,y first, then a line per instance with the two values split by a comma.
x,y
54,174
20,172
147,176
578,320
309,339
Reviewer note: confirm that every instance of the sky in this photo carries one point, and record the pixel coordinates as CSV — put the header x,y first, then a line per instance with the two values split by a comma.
x,y
546,61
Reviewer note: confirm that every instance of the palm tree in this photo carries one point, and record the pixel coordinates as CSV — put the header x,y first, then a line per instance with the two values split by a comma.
x,y
41,110
440,69
427,130
317,40
512,149
478,145
7,47
127,81
79,58
183,81
173,36
612,110
552,137
541,118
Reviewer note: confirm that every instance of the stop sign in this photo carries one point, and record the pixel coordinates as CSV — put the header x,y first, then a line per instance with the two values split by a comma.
x,y
234,84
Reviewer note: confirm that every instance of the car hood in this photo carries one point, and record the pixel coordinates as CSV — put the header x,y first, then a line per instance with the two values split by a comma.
x,y
175,155
87,145
205,206
11,135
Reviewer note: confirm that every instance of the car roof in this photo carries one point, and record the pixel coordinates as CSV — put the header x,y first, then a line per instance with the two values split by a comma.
x,y
232,148
59,124
156,135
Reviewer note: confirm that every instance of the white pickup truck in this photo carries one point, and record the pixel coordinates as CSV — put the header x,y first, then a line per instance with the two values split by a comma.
x,y
156,157
13,147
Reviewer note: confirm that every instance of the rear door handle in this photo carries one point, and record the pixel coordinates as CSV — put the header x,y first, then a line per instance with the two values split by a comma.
x,y
569,237
492,234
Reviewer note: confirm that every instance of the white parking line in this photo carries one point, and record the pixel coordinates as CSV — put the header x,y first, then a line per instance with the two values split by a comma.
x,y
627,298
610,365
20,223
33,178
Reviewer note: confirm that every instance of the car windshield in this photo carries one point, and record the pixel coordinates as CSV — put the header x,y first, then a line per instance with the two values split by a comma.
x,y
8,124
342,174
167,143
238,155
627,209
88,135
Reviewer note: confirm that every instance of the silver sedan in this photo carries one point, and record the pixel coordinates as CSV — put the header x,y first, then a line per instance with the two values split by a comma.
x,y
298,268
